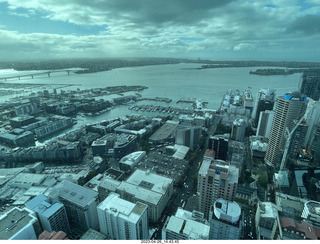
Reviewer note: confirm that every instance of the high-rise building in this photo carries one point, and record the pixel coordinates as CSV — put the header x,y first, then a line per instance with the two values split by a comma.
x,y
52,215
219,144
151,189
264,124
216,179
19,224
81,205
185,225
310,83
188,136
265,101
225,220
123,220
238,130
289,108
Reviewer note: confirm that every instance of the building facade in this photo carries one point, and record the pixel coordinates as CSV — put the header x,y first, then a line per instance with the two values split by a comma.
x,y
122,220
289,108
52,216
225,220
216,179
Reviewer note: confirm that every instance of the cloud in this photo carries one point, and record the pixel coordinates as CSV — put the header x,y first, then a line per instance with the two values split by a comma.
x,y
166,27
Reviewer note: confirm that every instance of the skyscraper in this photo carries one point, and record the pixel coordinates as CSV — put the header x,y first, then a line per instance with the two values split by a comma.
x,y
217,179
265,101
289,108
310,83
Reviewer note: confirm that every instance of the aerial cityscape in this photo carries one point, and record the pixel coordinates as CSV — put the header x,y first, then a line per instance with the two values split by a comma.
x,y
122,121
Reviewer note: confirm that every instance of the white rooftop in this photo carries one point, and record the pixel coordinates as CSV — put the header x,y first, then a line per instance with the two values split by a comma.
x,y
133,157
141,193
150,181
79,195
190,228
129,211
227,210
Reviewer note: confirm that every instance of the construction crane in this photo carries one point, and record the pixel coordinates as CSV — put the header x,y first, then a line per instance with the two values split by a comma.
x,y
288,134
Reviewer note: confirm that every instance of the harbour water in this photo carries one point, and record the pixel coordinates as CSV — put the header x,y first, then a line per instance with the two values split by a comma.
x,y
173,81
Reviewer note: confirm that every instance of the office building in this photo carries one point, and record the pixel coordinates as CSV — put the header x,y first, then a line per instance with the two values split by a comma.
x,y
264,124
188,136
19,224
289,108
267,221
265,101
219,144
52,215
151,189
81,205
238,130
185,225
216,179
311,212
310,83
124,145
128,162
99,148
225,220
123,220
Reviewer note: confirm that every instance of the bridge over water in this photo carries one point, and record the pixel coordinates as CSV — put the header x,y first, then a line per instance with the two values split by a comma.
x,y
36,74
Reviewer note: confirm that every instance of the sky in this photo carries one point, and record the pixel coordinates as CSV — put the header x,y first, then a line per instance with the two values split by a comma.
x,y
273,30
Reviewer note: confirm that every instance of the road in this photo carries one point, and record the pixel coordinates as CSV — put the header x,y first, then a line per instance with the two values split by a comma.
x,y
182,194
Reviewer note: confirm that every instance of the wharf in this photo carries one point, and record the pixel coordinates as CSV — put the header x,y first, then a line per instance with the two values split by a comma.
x,y
157,99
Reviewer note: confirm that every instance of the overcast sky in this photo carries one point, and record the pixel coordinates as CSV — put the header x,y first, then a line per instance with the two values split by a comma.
x,y
208,29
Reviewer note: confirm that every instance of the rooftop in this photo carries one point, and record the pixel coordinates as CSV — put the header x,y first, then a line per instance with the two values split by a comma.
x,y
226,210
79,195
129,211
150,181
14,221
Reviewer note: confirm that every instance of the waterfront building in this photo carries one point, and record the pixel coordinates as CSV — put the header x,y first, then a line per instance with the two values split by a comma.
x,y
216,179
267,221
164,132
19,224
288,108
99,147
81,205
123,220
17,138
225,220
52,215
264,124
20,121
185,225
124,145
151,189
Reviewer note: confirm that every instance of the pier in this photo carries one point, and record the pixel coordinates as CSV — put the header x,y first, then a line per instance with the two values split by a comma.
x,y
157,99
